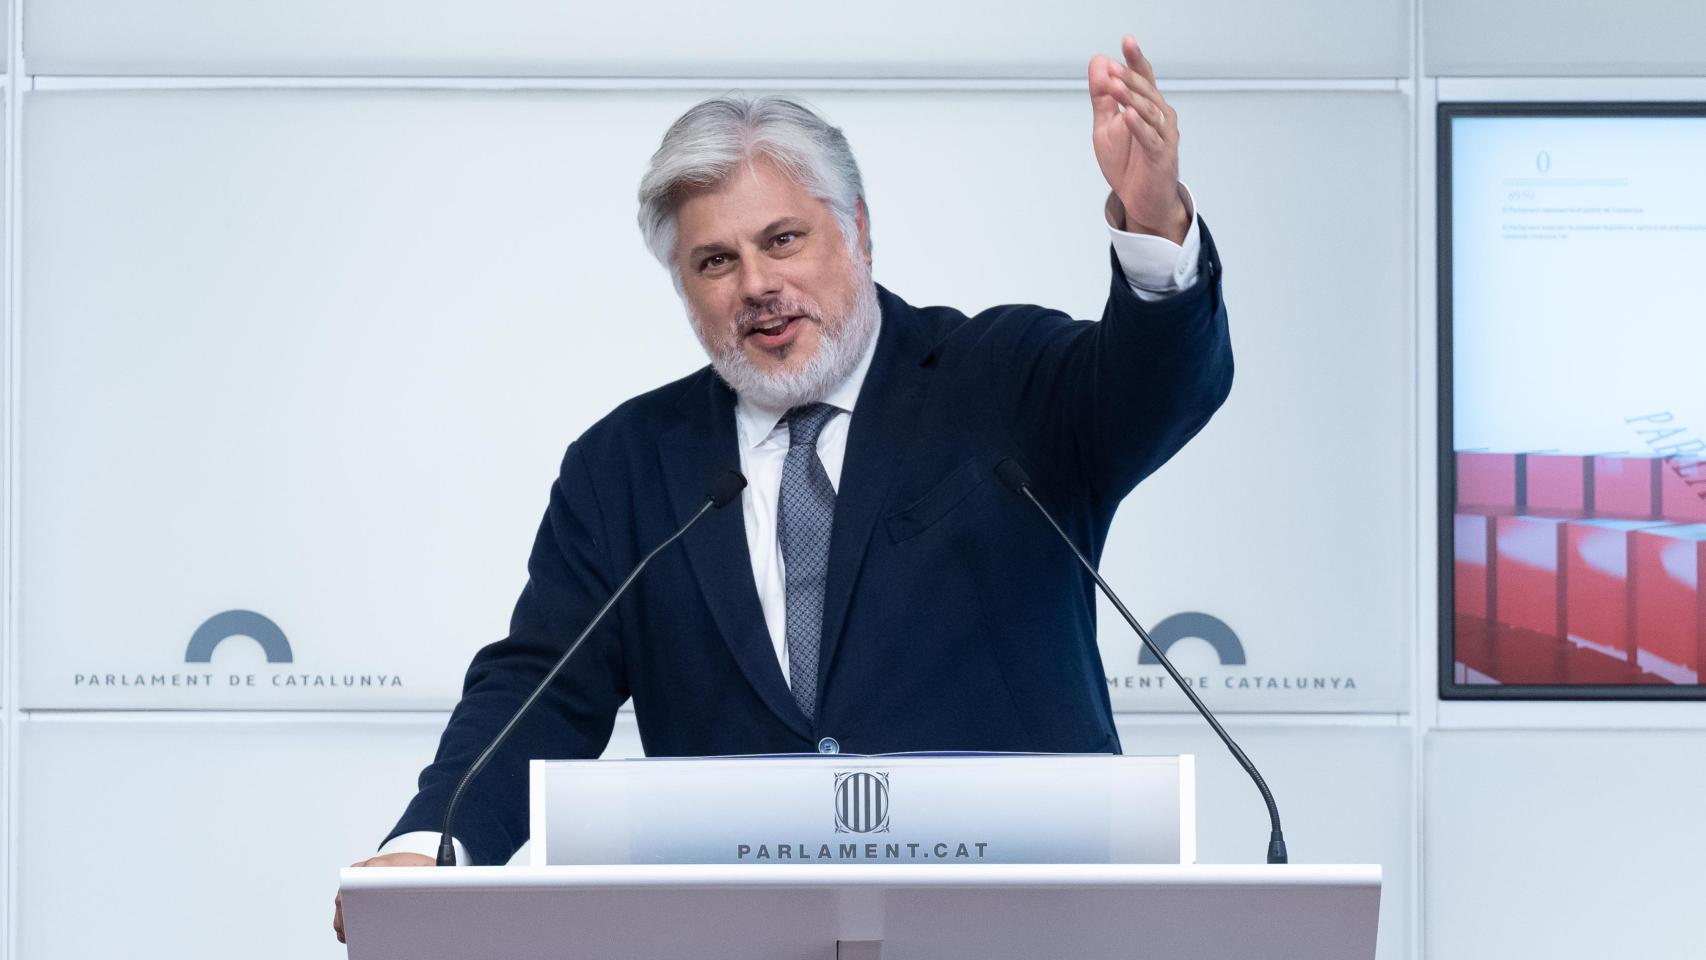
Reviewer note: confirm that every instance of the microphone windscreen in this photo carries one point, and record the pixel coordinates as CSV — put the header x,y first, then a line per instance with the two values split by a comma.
x,y
725,487
1012,475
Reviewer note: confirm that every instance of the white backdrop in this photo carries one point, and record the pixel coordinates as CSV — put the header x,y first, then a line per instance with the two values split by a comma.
x,y
306,299
319,360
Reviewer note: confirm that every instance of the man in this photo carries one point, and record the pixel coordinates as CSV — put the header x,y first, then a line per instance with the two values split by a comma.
x,y
876,592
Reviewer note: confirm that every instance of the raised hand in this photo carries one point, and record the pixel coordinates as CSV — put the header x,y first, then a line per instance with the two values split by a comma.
x,y
1136,135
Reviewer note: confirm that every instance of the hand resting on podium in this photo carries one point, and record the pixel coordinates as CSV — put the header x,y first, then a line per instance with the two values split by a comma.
x,y
388,860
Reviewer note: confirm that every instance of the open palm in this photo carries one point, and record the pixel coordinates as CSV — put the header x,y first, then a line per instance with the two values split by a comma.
x,y
1136,136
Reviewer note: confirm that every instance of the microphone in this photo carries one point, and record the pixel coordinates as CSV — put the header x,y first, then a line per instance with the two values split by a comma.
x,y
1014,478
720,492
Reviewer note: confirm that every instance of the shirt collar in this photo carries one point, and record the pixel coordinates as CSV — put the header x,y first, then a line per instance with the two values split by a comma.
x,y
756,423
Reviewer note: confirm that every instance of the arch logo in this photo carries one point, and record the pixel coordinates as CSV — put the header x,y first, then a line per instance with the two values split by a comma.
x,y
239,680
1230,675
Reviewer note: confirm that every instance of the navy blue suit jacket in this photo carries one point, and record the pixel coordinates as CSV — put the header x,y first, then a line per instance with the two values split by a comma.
x,y
954,619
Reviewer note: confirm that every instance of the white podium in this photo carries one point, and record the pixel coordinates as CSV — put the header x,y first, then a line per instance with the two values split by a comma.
x,y
864,858
864,912
896,808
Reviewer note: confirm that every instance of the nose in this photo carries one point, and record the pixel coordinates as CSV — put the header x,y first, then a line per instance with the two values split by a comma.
x,y
758,282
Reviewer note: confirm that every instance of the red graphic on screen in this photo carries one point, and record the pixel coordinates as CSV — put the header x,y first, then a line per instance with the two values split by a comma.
x,y
1579,569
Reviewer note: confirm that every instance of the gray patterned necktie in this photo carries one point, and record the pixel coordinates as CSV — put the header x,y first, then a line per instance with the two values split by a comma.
x,y
804,514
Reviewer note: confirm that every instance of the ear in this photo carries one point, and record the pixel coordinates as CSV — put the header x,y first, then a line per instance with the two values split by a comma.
x,y
863,218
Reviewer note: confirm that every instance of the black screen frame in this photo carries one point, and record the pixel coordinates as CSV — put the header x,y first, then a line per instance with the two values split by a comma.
x,y
1449,688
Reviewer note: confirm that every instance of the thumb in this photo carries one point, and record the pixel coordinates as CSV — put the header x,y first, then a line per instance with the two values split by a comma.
x,y
1102,103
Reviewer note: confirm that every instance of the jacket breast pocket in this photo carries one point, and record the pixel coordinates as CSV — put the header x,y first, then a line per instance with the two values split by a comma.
x,y
945,495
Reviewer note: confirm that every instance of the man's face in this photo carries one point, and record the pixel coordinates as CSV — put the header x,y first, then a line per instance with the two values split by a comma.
x,y
766,273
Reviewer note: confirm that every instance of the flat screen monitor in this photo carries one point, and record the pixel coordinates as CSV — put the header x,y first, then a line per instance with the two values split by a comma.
x,y
1572,446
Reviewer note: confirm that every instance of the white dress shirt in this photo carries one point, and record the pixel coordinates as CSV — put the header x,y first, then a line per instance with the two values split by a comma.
x,y
1154,267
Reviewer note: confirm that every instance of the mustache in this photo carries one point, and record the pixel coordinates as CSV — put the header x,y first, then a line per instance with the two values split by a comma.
x,y
758,315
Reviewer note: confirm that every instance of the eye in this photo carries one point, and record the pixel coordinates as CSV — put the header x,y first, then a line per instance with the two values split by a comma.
x,y
713,261
784,239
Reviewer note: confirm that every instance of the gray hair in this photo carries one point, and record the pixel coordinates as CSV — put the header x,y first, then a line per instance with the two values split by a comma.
x,y
710,141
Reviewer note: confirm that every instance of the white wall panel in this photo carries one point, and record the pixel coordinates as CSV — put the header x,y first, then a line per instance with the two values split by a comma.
x,y
1287,517
201,839
624,740
316,354
1548,38
673,38
1563,844
1344,795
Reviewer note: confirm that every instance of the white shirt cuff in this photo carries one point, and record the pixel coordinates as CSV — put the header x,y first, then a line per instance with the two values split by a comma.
x,y
1156,267
423,842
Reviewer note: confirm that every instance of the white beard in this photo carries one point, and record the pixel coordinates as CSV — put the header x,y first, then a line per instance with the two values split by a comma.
x,y
841,343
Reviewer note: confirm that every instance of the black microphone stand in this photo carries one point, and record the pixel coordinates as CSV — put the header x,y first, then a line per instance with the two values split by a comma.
x,y
723,490
1019,482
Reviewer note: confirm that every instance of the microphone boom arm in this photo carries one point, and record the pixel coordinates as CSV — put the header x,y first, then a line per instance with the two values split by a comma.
x,y
1015,479
725,489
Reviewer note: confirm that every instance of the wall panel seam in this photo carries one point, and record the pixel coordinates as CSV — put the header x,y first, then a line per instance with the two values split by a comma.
x,y
169,717
10,362
1421,598
646,84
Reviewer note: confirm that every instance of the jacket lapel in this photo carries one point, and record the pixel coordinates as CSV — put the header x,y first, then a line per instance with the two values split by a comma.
x,y
882,418
702,445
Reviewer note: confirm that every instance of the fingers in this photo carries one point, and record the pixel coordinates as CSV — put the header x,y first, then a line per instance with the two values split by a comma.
x,y
1104,101
1135,59
336,902
338,905
1144,112
1138,76
1152,102
1150,110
